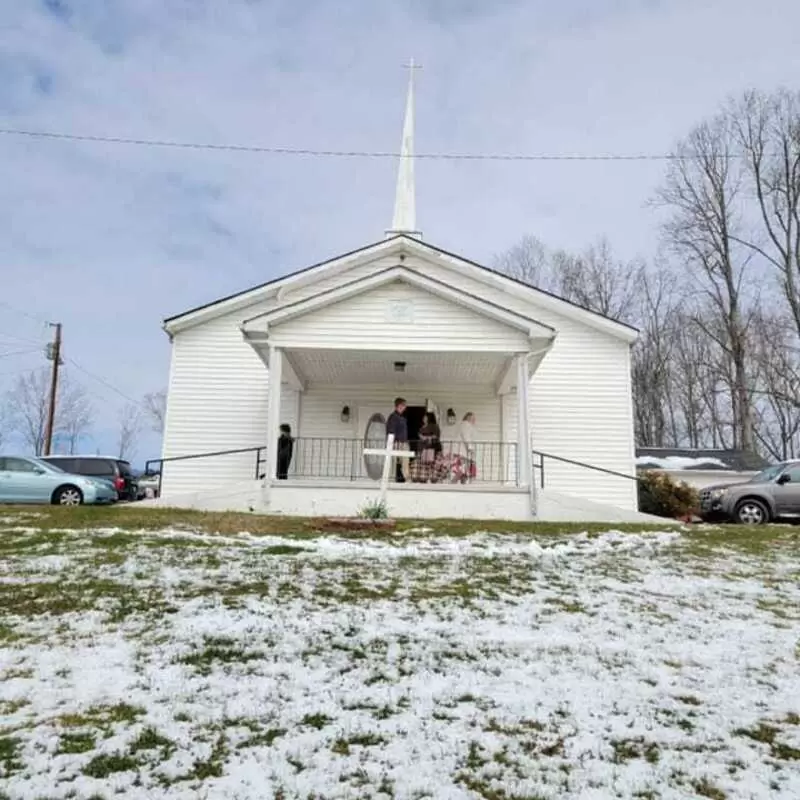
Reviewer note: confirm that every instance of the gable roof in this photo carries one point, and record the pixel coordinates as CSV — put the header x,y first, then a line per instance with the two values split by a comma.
x,y
387,246
412,277
676,458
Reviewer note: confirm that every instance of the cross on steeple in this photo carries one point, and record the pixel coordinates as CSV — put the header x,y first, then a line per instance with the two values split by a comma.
x,y
405,207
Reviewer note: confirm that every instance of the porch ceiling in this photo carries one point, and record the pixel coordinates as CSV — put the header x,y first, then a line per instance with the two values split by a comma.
x,y
339,367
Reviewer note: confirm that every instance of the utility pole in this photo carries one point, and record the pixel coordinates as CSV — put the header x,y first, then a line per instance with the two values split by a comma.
x,y
54,355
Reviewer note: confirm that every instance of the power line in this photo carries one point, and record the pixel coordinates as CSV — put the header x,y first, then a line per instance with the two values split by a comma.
x,y
35,317
105,383
294,151
18,339
19,352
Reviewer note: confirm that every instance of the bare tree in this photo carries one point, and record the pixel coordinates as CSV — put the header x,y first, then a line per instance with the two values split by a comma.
x,y
596,280
155,404
777,360
75,414
702,190
527,261
28,404
652,369
130,426
767,128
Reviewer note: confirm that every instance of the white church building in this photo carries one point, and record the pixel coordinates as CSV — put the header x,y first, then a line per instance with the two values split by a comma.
x,y
327,349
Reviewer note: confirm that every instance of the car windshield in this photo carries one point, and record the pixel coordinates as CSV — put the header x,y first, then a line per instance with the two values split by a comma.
x,y
768,475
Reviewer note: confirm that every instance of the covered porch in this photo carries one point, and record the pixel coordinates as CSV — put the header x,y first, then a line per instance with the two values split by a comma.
x,y
337,401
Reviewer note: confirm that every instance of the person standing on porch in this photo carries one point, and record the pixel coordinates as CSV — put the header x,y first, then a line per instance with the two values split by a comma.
x,y
396,425
285,450
467,433
430,435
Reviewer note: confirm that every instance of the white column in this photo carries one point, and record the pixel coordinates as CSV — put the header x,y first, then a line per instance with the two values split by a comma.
x,y
524,477
273,411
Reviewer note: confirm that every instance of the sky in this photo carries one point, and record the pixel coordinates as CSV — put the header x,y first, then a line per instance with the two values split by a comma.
x,y
110,239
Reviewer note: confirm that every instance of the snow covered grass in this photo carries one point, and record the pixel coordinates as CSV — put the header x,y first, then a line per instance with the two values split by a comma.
x,y
186,664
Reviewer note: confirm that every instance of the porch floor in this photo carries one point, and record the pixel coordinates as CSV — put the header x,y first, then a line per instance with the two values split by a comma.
x,y
370,485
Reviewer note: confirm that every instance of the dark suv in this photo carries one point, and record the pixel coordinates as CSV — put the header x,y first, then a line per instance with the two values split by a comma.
x,y
114,470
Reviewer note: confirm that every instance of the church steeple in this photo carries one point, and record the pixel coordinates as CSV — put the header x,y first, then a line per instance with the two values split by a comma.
x,y
405,202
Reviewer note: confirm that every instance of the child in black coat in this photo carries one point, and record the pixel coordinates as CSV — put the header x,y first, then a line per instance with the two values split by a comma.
x,y
285,450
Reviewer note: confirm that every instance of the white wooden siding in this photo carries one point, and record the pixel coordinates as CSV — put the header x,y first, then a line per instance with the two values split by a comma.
x,y
217,401
364,321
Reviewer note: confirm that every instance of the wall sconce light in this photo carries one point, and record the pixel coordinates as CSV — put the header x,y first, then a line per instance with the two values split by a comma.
x,y
451,416
345,415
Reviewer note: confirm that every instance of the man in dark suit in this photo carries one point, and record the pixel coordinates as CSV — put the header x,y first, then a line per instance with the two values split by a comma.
x,y
396,424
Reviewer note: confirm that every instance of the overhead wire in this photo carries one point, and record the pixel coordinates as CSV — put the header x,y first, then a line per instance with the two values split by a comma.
x,y
328,153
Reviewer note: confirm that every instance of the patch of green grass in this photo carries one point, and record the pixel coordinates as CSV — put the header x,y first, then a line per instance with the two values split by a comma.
x,y
689,699
283,550
81,742
766,733
218,649
211,767
263,738
8,707
150,739
61,597
342,746
9,756
129,522
629,749
106,764
318,720
705,788
102,716
8,635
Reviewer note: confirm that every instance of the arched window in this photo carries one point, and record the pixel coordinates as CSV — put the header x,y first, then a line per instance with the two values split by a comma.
x,y
375,439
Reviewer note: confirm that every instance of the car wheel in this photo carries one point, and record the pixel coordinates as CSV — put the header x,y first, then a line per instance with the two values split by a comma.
x,y
68,496
752,512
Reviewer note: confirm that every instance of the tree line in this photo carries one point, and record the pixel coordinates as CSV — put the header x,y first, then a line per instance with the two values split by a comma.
x,y
25,409
718,307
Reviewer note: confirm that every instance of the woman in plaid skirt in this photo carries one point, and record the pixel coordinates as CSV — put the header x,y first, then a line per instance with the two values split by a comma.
x,y
430,450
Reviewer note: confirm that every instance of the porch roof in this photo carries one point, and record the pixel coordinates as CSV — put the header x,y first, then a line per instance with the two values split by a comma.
x,y
333,367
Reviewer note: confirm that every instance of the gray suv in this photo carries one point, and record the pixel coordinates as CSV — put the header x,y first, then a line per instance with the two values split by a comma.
x,y
772,494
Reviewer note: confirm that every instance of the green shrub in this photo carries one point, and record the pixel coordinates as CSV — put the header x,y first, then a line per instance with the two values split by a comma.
x,y
374,509
662,496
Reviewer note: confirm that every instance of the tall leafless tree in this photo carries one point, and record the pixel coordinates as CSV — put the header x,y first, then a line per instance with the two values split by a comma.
x,y
528,261
767,129
130,426
703,191
75,414
596,280
28,404
652,370
155,405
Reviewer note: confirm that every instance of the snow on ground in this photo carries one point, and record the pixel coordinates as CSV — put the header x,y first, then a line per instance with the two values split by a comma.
x,y
185,665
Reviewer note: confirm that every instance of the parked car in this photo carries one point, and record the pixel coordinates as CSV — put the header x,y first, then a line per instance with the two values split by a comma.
x,y
32,480
149,483
116,470
772,494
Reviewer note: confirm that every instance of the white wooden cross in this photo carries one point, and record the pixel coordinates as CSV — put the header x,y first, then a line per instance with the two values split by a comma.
x,y
388,455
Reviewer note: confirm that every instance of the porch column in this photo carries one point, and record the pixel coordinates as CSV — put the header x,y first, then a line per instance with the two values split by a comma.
x,y
523,428
273,410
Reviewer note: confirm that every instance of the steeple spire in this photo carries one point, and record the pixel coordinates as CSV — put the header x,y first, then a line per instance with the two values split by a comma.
x,y
405,205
